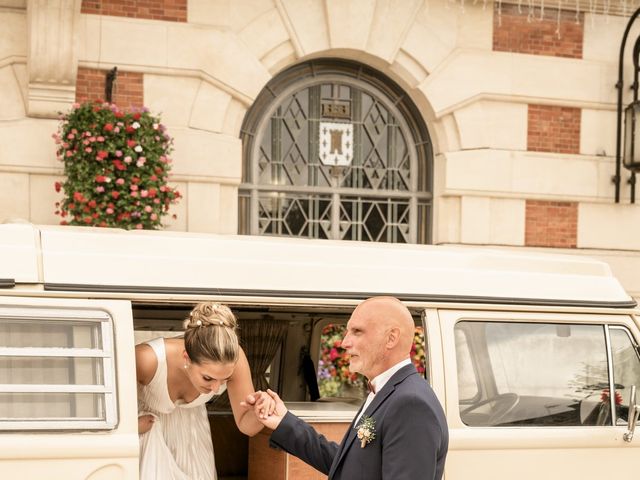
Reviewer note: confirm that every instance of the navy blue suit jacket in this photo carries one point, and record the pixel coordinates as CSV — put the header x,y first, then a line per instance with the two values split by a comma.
x,y
411,436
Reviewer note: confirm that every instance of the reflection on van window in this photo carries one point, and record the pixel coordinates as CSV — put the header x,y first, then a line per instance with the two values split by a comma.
x,y
334,378
467,383
534,374
626,371
56,371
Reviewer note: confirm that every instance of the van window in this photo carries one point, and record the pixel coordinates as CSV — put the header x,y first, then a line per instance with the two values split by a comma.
x,y
626,370
535,374
56,369
334,378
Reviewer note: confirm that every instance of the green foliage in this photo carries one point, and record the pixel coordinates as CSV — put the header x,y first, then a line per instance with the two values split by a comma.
x,y
116,165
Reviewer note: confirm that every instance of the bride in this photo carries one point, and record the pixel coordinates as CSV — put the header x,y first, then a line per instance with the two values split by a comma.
x,y
176,377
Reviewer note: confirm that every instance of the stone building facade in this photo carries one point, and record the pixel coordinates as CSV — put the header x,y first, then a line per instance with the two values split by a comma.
x,y
519,103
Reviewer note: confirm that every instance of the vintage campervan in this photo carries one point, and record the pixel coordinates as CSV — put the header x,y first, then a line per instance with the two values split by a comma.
x,y
534,357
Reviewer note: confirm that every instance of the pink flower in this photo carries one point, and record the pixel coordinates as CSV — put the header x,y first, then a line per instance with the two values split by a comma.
x,y
127,159
333,354
99,189
134,187
144,193
153,216
120,181
148,209
139,226
88,150
109,211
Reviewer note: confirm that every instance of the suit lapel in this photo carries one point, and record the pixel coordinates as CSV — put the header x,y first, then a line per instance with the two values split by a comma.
x,y
378,399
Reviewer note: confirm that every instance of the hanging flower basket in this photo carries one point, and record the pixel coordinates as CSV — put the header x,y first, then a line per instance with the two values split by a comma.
x,y
116,166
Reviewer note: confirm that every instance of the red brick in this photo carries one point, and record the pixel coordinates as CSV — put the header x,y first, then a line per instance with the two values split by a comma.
x,y
551,224
553,128
515,30
166,10
127,91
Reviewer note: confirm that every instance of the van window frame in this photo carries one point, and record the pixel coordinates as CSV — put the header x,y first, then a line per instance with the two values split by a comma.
x,y
606,327
107,389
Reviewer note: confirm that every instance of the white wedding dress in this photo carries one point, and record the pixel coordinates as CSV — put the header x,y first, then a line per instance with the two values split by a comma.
x,y
178,446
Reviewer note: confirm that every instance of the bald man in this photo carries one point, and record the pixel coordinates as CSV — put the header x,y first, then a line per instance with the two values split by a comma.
x,y
400,432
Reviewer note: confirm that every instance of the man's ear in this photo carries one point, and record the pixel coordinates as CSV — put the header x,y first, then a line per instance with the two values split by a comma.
x,y
392,337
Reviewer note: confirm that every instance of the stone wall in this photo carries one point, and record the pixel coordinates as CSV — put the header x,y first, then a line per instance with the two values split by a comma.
x,y
520,108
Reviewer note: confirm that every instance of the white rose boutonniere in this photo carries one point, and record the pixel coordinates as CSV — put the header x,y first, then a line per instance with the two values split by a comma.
x,y
366,430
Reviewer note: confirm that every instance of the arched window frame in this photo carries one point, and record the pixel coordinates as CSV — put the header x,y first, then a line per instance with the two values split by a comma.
x,y
382,89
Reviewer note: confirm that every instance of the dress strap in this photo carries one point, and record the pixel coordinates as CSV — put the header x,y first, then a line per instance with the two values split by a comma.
x,y
160,377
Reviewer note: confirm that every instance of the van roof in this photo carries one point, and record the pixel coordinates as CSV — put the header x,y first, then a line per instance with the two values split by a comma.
x,y
98,259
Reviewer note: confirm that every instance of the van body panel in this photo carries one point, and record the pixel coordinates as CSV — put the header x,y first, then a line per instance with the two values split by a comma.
x,y
530,452
79,454
19,253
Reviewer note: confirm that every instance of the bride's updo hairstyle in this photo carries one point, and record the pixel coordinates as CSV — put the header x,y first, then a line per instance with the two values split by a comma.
x,y
210,334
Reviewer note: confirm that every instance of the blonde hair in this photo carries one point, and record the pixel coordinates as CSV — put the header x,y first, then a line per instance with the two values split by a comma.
x,y
210,334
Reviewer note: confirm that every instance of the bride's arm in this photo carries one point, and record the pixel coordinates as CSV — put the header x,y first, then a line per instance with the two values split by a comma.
x,y
239,387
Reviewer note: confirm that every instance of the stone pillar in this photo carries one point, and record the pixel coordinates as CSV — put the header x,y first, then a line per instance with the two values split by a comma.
x,y
52,30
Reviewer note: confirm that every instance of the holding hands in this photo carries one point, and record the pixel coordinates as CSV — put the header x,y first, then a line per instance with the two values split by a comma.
x,y
267,406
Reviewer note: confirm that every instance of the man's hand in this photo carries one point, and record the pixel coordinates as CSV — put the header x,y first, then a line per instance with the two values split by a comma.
x,y
273,420
262,404
268,407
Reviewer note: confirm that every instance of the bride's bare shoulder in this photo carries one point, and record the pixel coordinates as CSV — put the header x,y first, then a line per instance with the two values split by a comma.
x,y
146,363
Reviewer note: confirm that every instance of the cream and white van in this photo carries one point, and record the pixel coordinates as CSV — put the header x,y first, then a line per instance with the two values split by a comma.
x,y
534,357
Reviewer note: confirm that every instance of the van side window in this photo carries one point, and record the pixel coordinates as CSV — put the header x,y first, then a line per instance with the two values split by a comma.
x,y
626,370
534,374
56,369
334,378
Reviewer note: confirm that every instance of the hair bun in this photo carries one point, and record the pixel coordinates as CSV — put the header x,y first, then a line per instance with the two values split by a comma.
x,y
211,314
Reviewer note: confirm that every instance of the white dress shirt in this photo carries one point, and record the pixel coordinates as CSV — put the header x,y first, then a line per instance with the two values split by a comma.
x,y
379,382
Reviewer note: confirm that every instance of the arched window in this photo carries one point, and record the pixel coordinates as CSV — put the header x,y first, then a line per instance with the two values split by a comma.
x,y
324,112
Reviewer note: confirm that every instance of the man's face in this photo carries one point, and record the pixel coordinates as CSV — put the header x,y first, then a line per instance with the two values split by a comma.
x,y
364,342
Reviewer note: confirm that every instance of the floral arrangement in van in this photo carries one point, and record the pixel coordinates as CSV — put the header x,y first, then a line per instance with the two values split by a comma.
x,y
116,165
334,377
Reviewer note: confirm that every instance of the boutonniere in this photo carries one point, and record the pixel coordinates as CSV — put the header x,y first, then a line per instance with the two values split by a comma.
x,y
366,430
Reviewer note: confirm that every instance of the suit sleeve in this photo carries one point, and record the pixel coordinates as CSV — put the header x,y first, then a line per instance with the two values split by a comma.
x,y
298,438
412,441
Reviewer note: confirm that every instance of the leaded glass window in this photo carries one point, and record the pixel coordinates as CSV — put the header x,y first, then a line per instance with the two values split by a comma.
x,y
318,110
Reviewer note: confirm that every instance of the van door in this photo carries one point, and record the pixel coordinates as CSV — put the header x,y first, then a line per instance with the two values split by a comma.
x,y
67,389
529,395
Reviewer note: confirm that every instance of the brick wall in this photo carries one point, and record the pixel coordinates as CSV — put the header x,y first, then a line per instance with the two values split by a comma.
x,y
551,224
515,30
170,10
127,90
552,128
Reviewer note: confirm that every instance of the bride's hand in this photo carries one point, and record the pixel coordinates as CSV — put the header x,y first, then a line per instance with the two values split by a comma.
x,y
145,422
